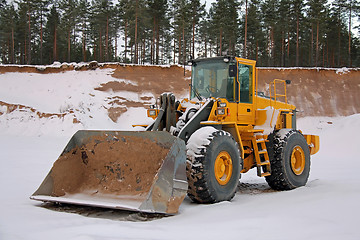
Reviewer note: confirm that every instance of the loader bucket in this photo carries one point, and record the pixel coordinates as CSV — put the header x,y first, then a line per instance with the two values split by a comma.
x,y
141,171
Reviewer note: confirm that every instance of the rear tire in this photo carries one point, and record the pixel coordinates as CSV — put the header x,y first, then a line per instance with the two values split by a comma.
x,y
213,172
290,160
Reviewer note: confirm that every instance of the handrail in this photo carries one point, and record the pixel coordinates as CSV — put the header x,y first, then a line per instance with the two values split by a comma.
x,y
277,95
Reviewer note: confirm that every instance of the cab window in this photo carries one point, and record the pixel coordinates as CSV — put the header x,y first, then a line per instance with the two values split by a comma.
x,y
245,81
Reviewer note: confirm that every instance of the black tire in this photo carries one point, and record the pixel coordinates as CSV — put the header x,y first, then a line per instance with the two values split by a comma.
x,y
285,174
203,185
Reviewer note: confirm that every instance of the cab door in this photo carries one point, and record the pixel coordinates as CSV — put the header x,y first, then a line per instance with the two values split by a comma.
x,y
245,81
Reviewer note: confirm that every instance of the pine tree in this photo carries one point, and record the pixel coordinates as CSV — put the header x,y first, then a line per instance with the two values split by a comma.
x,y
256,43
68,22
196,13
338,7
224,19
8,18
317,14
352,7
51,35
297,18
181,28
158,11
136,29
41,10
204,36
269,10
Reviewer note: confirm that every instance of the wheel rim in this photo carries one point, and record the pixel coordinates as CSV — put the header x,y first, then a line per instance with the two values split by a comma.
x,y
298,160
223,168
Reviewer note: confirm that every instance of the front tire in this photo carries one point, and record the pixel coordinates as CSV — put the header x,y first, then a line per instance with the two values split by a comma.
x,y
290,160
213,166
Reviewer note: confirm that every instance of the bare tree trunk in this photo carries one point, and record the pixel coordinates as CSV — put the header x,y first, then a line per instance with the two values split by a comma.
x,y
220,50
126,23
179,57
339,47
143,52
312,46
230,48
184,43
272,45
193,41
327,54
282,48
152,52
29,45
174,55
257,51
100,47
136,47
55,44
136,26
107,40
84,43
25,50
317,44
323,57
350,62
297,40
69,50
116,47
246,15
288,49
206,47
157,43
12,46
41,40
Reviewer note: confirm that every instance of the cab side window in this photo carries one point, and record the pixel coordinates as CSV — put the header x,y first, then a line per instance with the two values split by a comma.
x,y
245,80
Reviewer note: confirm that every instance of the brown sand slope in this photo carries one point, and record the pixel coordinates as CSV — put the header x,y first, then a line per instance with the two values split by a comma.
x,y
315,92
318,92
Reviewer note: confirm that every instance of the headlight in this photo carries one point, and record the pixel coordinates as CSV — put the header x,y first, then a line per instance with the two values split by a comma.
x,y
221,111
152,113
222,104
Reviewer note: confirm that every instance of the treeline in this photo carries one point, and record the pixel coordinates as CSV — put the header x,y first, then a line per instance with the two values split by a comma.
x,y
273,32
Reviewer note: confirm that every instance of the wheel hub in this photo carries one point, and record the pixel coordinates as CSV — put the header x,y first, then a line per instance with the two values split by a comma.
x,y
298,160
223,168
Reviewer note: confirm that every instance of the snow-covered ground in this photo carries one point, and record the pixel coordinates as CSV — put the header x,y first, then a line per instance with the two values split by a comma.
x,y
326,208
71,93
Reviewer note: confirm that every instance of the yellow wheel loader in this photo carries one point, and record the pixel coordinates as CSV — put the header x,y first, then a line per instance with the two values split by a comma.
x,y
197,146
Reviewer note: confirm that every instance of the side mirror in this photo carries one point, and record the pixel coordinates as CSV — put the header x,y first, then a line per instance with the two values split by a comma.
x,y
232,71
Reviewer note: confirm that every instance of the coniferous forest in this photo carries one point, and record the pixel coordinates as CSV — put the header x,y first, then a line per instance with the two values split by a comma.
x,y
283,33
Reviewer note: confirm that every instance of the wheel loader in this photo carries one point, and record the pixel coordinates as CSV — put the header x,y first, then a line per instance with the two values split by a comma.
x,y
198,146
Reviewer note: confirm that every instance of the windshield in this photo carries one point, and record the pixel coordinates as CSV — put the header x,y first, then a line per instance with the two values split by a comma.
x,y
211,79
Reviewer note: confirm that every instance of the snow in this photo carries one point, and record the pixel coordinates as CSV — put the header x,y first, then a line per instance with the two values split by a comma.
x,y
326,208
199,138
71,93
74,90
343,70
340,71
272,115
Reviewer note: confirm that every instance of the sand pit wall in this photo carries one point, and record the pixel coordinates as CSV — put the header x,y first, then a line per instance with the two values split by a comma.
x,y
316,91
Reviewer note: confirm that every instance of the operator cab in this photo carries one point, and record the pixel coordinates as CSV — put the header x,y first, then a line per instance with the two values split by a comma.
x,y
222,77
